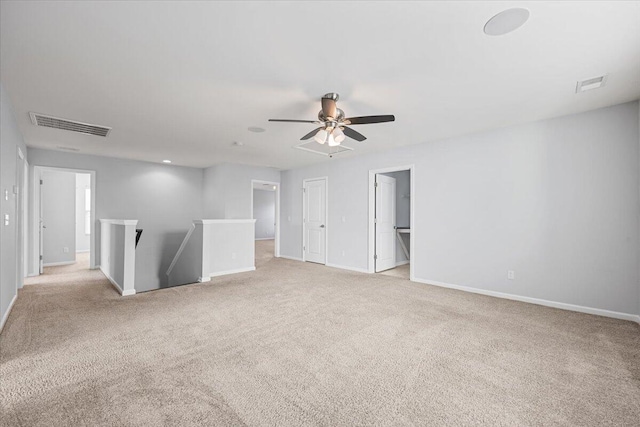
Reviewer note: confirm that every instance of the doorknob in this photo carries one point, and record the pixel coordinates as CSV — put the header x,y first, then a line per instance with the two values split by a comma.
x,y
322,226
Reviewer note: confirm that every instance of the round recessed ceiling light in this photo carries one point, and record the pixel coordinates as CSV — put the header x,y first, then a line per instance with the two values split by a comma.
x,y
256,129
166,161
506,21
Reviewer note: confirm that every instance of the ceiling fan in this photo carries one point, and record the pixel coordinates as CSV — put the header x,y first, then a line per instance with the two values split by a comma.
x,y
334,128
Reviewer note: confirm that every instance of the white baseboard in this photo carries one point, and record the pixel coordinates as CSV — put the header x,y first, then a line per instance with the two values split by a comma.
x,y
115,285
343,267
57,264
292,258
265,238
405,262
6,315
547,303
204,279
237,270
83,252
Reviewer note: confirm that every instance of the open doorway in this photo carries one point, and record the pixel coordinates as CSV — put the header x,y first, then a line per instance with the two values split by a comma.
x,y
391,221
265,209
64,216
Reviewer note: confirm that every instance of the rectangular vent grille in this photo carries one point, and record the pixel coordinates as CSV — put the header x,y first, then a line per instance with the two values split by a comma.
x,y
589,84
70,125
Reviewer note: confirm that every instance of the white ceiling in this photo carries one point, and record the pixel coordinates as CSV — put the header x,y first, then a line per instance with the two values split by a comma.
x,y
182,81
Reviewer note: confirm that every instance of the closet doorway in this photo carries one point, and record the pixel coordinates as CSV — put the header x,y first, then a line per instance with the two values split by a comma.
x,y
391,221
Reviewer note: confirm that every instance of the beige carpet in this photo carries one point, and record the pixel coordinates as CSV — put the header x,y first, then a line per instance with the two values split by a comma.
x,y
401,272
302,344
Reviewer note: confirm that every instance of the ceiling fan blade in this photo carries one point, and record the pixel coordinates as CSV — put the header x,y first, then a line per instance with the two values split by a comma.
x,y
365,120
329,108
293,121
353,134
311,134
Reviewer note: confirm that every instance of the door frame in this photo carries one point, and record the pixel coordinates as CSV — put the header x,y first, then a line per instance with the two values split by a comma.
x,y
277,227
326,217
21,226
372,215
35,219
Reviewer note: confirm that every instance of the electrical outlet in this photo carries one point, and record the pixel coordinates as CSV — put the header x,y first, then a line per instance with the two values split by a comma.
x,y
511,275
65,250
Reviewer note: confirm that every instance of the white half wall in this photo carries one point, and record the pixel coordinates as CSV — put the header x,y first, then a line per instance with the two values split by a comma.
x,y
214,247
118,253
556,201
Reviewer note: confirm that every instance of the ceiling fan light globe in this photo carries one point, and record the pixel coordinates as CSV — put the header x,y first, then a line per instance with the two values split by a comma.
x,y
332,142
338,135
321,136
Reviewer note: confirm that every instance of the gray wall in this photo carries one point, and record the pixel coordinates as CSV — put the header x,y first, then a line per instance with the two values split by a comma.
x,y
227,189
164,198
403,209
83,183
59,217
10,140
264,212
556,201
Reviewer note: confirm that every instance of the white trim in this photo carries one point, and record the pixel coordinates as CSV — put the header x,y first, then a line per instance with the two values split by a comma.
x,y
57,264
223,221
84,251
326,216
234,271
6,315
372,210
399,263
264,238
277,226
113,282
344,267
35,220
115,285
292,258
120,221
547,303
204,279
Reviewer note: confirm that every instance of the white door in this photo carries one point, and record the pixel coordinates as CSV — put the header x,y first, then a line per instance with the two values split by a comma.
x,y
385,222
315,224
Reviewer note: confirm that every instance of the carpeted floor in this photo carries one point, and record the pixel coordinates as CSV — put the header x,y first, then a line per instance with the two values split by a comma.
x,y
401,272
302,344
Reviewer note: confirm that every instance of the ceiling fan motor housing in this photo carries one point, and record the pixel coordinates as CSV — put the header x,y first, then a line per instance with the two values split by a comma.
x,y
340,117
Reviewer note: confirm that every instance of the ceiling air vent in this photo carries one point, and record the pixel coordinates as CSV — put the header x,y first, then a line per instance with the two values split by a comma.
x,y
589,84
64,124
